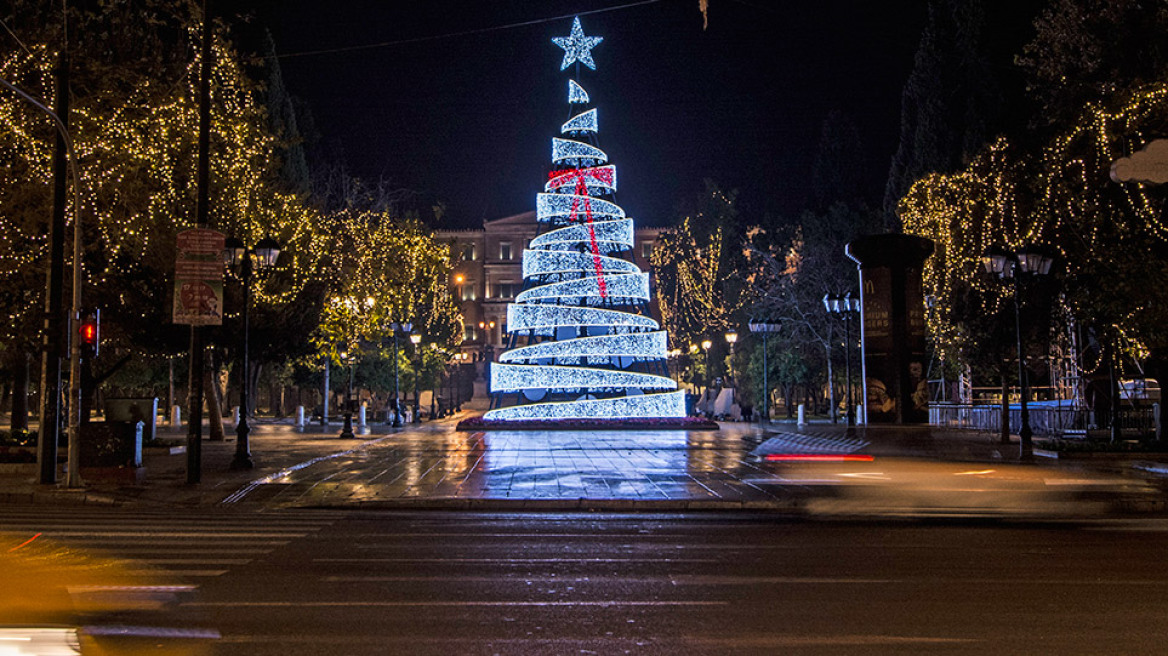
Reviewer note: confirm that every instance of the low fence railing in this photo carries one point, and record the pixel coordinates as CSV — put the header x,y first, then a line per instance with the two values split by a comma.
x,y
1045,418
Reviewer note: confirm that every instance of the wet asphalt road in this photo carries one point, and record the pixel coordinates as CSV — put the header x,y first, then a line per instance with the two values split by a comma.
x,y
376,582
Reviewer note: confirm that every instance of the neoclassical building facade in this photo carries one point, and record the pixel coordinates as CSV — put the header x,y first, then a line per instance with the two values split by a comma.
x,y
488,274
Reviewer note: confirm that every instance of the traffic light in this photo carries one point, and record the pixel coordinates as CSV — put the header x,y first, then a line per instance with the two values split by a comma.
x,y
89,332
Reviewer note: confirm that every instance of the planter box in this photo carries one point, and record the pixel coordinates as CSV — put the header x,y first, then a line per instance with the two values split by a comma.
x,y
111,444
18,454
671,423
132,409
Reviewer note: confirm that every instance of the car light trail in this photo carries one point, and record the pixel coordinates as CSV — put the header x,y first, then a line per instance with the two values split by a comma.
x,y
817,457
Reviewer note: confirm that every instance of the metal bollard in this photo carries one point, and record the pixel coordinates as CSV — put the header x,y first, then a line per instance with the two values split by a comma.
x,y
861,418
175,417
361,416
235,415
802,416
300,417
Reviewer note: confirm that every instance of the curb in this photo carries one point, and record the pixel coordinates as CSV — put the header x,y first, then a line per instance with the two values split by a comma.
x,y
562,505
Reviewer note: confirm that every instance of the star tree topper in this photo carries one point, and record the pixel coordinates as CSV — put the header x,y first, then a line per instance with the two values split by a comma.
x,y
577,47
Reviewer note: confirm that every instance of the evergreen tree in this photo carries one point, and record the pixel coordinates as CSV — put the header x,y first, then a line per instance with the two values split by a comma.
x,y
1085,50
950,102
837,173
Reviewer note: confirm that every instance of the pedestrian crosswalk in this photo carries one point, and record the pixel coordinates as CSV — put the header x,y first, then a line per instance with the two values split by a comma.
x,y
187,543
803,443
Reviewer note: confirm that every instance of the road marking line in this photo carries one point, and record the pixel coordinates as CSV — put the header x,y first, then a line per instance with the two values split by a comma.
x,y
591,537
151,551
516,560
176,572
452,604
170,534
577,580
99,542
194,561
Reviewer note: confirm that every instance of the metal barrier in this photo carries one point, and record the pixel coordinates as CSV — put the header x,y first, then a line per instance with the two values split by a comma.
x,y
1140,421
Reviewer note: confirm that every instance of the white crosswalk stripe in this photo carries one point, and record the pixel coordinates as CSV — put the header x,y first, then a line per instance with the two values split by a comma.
x,y
185,543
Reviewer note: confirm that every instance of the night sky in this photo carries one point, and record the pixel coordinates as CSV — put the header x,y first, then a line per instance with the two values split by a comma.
x,y
469,119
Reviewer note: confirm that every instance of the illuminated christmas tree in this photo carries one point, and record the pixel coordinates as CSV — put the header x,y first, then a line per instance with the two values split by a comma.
x,y
582,343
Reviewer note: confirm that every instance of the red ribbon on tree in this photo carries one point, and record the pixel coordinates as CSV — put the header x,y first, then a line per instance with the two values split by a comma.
x,y
602,174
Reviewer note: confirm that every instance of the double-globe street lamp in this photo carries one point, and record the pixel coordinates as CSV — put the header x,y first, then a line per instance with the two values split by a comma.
x,y
845,305
1026,262
243,260
765,329
395,328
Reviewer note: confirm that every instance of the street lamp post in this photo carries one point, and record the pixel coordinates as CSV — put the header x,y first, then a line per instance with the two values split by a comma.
x,y
706,344
731,339
1032,262
237,256
395,327
419,360
765,329
845,305
432,389
347,430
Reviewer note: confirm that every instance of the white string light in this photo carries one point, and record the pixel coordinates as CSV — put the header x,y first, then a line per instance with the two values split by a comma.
x,y
617,234
576,152
577,47
625,288
632,345
576,93
585,122
545,319
671,404
543,263
565,207
518,377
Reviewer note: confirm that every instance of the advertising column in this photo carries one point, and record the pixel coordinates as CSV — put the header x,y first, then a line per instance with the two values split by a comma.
x,y
893,326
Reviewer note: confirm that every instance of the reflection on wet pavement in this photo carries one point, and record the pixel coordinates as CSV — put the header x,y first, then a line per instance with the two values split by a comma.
x,y
436,462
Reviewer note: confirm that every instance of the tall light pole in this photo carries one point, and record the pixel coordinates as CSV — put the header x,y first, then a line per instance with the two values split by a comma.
x,y
347,429
765,329
706,344
849,305
396,327
674,356
240,258
844,305
416,340
732,339
434,346
54,337
1031,262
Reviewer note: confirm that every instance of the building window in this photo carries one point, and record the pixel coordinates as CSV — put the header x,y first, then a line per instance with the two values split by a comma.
x,y
468,290
468,333
504,250
646,249
505,290
468,252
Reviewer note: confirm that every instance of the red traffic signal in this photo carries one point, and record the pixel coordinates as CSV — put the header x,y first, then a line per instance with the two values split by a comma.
x,y
89,332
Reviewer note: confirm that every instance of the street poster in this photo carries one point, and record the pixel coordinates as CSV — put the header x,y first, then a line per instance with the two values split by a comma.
x,y
198,278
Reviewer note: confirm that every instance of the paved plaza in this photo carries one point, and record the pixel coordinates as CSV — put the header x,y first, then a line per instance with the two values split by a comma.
x,y
432,465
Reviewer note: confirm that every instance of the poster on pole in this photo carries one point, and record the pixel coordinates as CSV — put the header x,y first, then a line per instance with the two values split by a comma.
x,y
198,278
